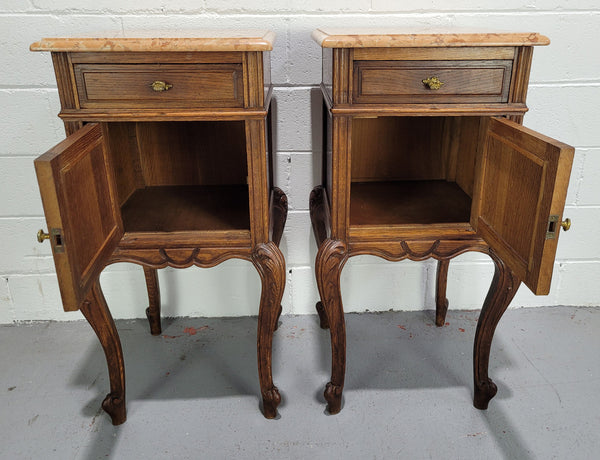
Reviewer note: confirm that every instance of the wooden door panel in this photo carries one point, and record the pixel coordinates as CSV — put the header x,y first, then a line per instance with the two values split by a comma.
x,y
524,179
81,210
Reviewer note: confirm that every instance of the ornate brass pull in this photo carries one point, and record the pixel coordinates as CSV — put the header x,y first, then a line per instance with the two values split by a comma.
x,y
433,82
41,236
566,224
160,86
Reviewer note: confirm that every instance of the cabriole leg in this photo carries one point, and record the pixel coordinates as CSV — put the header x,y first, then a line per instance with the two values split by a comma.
x,y
96,311
153,310
331,258
270,264
503,289
441,282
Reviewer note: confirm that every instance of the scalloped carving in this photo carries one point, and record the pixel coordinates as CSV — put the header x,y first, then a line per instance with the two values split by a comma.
x,y
180,257
418,250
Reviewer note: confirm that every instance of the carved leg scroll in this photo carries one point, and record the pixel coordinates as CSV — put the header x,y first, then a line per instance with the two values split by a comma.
x,y
153,310
270,264
331,258
503,289
279,214
96,311
320,218
441,302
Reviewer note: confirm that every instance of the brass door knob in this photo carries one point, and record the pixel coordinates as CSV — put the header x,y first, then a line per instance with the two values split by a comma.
x,y
160,86
433,83
41,236
566,224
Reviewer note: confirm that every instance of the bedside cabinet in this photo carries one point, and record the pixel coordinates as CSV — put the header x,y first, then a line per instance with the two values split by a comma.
x,y
167,163
425,156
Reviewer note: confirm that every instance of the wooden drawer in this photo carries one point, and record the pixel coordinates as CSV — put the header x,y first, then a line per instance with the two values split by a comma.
x,y
475,81
130,85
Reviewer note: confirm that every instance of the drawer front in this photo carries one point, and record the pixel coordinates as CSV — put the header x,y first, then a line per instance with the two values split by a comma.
x,y
131,85
402,81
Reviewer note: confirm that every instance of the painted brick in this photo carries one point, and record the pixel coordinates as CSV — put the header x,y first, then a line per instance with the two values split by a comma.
x,y
589,190
376,285
459,5
293,117
304,290
24,254
577,172
37,297
6,304
24,68
579,284
565,113
298,243
305,174
32,124
580,242
290,6
18,188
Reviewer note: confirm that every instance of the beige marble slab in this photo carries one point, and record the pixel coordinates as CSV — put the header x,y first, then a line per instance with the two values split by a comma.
x,y
408,38
200,40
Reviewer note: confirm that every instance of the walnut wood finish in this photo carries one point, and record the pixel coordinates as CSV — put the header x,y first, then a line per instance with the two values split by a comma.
x,y
96,311
502,290
130,85
441,282
153,310
413,172
173,178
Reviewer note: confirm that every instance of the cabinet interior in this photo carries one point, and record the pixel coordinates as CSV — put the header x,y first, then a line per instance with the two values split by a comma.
x,y
180,176
413,170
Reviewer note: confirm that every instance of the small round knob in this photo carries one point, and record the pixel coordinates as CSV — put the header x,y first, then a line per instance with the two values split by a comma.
x,y
160,86
566,224
41,236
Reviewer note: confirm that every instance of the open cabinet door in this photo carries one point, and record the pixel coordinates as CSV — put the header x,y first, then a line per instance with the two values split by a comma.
x,y
81,210
520,197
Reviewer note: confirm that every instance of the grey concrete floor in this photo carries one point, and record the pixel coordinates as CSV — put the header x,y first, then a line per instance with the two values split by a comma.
x,y
193,392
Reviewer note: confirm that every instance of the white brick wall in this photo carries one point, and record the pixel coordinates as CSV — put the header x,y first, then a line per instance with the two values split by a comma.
x,y
563,101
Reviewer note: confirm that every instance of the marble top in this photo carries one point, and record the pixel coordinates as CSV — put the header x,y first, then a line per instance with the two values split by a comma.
x,y
408,38
197,40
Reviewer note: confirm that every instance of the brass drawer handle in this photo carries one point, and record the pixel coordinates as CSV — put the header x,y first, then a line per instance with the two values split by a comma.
x,y
41,236
160,86
566,224
433,82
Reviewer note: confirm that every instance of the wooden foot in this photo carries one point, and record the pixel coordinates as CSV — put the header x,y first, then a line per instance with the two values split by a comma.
x,y
269,262
279,210
323,321
96,311
331,258
503,289
333,396
153,310
441,302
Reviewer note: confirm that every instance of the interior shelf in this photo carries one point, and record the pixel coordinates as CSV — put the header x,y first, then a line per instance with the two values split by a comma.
x,y
408,202
187,208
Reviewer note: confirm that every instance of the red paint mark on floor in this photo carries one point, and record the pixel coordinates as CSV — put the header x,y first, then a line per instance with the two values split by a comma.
x,y
461,329
402,327
190,331
446,324
170,336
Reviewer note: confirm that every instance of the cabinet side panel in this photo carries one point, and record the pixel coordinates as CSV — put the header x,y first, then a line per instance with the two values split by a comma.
x,y
67,91
125,159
